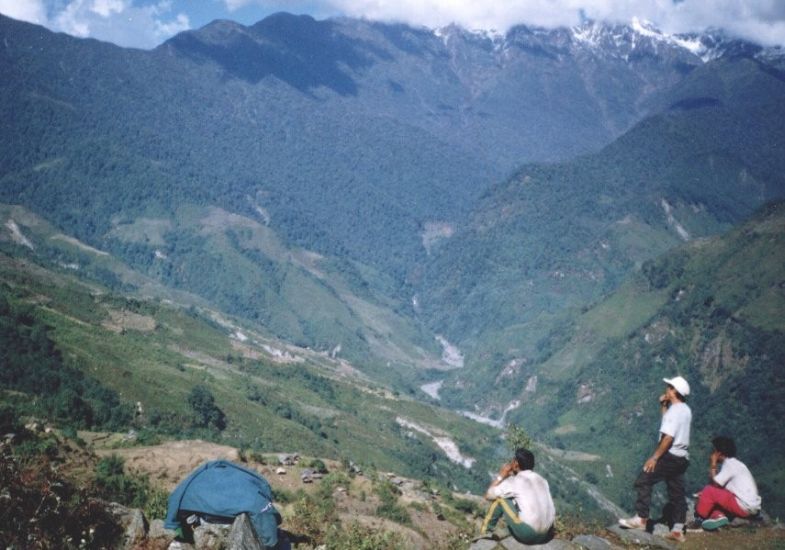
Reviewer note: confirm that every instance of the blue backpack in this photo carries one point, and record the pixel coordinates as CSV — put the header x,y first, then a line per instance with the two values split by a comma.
x,y
221,490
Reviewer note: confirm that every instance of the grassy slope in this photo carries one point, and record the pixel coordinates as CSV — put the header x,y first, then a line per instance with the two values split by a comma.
x,y
712,310
153,351
242,267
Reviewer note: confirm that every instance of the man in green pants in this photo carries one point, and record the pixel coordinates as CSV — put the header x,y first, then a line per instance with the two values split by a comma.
x,y
523,498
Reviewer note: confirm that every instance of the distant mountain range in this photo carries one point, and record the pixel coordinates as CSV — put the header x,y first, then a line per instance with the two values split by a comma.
x,y
361,141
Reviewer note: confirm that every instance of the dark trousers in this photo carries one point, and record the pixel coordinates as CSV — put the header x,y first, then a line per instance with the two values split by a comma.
x,y
670,469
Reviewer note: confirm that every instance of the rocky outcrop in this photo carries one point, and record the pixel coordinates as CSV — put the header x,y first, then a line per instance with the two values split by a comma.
x,y
138,533
133,522
617,538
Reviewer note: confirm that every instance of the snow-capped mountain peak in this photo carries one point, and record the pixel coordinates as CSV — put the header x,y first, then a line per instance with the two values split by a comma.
x,y
638,40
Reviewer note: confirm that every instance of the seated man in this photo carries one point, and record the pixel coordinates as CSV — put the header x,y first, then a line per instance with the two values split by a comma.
x,y
732,490
523,498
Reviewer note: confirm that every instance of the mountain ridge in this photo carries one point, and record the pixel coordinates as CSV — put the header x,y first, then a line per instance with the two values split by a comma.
x,y
558,236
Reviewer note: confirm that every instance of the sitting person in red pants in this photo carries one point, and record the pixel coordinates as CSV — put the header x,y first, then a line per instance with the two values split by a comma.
x,y
732,491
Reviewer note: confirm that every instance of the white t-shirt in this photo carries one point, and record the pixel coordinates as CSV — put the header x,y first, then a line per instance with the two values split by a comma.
x,y
736,478
532,495
676,423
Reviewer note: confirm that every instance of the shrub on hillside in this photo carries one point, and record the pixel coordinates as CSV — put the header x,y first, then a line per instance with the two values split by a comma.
x,y
357,537
44,510
389,507
115,485
318,466
206,413
516,437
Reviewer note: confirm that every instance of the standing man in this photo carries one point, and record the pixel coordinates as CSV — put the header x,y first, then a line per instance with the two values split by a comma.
x,y
668,462
523,498
732,490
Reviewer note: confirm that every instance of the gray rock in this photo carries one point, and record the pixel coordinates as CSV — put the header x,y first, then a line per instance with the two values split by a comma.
x,y
211,536
242,535
177,545
483,544
158,531
288,459
691,502
640,538
660,530
592,542
510,543
132,521
762,519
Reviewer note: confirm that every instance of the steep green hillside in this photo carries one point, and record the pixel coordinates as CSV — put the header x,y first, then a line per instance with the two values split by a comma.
x,y
166,365
243,268
149,131
556,238
712,310
84,357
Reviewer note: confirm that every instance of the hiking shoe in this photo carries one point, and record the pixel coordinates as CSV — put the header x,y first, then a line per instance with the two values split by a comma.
x,y
694,526
676,536
712,524
635,522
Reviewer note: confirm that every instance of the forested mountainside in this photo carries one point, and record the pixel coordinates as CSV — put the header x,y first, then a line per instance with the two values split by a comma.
x,y
712,310
83,358
557,237
357,140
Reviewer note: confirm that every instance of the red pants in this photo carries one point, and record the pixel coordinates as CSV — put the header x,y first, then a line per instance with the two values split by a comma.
x,y
715,501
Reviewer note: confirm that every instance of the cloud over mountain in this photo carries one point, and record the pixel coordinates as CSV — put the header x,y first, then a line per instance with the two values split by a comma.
x,y
757,20
147,23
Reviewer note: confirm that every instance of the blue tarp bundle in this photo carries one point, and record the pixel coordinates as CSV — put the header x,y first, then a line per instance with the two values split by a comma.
x,y
223,489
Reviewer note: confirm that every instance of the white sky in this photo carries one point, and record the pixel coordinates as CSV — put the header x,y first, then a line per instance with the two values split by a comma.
x,y
147,23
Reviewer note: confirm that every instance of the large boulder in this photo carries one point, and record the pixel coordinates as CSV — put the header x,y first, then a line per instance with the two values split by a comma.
x,y
509,543
239,535
242,535
211,536
158,532
593,542
133,523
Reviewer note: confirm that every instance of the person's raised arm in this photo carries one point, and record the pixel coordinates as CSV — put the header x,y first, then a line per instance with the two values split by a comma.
x,y
505,471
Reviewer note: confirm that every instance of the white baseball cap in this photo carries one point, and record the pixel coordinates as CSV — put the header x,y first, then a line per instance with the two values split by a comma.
x,y
679,384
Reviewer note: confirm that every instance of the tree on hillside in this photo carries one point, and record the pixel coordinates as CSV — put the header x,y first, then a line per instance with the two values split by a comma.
x,y
206,412
516,437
